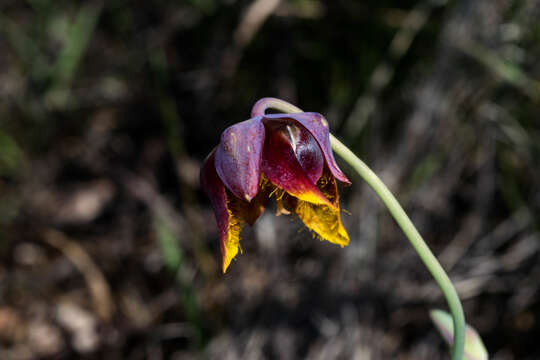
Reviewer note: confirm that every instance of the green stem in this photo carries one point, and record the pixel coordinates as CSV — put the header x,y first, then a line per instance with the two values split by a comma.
x,y
406,225
415,239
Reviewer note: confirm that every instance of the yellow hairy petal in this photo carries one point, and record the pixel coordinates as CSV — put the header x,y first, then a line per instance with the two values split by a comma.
x,y
240,212
230,247
236,211
323,220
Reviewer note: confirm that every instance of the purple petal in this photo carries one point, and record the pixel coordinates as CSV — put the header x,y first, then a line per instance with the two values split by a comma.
x,y
282,168
305,147
317,126
308,153
238,157
215,190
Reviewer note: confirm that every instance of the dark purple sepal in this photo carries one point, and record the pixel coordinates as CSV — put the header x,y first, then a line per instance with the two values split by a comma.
x,y
317,126
231,212
215,190
238,157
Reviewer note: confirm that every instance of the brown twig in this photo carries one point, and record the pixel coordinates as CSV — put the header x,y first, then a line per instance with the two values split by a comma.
x,y
252,20
95,280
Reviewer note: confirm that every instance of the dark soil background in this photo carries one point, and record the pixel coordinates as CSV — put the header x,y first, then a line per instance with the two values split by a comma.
x,y
109,249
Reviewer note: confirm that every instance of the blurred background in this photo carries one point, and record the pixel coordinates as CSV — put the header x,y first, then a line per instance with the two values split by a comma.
x,y
109,249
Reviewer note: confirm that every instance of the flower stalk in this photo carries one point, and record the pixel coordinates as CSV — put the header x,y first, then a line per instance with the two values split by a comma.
x,y
401,218
419,245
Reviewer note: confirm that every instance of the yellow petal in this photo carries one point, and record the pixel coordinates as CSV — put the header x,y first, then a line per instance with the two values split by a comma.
x,y
240,212
323,220
231,245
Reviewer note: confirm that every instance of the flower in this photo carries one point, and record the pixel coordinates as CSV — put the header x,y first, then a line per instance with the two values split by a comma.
x,y
284,156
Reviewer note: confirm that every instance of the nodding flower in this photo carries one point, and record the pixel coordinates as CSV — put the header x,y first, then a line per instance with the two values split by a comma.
x,y
282,156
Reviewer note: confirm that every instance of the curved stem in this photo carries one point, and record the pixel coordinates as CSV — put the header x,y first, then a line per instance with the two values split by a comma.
x,y
273,103
401,218
415,239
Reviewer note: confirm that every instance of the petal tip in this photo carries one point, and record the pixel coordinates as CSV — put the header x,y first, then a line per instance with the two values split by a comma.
x,y
345,242
227,259
345,181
